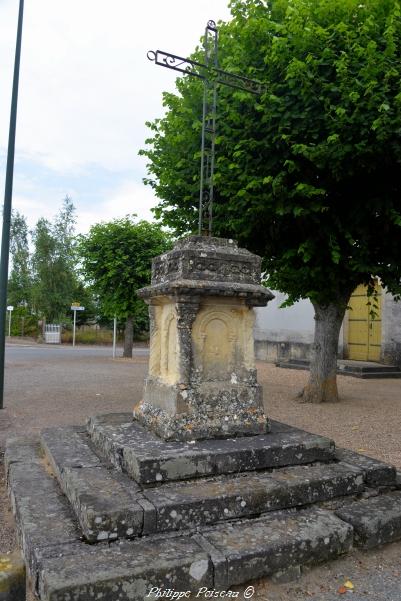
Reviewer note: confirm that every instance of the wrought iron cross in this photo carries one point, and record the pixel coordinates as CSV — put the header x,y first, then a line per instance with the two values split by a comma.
x,y
212,75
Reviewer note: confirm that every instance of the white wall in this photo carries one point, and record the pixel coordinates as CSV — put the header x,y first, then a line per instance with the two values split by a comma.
x,y
292,324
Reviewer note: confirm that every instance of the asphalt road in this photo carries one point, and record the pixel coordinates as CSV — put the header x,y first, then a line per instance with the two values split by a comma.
x,y
25,352
46,385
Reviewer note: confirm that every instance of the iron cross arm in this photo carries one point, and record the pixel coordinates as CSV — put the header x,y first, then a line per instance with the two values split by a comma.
x,y
205,72
211,74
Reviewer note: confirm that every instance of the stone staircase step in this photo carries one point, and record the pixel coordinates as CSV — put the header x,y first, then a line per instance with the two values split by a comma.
x,y
105,507
376,520
66,446
199,502
376,473
127,571
149,459
64,567
109,505
355,369
276,542
43,516
210,560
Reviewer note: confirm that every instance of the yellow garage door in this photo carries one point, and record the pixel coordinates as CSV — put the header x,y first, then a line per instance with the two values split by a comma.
x,y
364,330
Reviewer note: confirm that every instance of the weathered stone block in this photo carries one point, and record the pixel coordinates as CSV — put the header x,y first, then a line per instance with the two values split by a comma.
x,y
278,541
12,578
376,472
307,484
376,520
195,503
66,447
37,502
148,459
105,504
22,450
127,572
102,506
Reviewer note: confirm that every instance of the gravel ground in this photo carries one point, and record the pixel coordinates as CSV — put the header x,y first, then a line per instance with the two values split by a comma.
x,y
43,390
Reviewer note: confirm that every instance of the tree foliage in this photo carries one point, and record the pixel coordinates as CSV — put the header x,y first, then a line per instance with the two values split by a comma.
x,y
116,258
20,281
308,174
54,264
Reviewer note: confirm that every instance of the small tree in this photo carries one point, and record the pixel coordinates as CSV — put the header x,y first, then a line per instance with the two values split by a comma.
x,y
309,174
116,258
53,262
20,280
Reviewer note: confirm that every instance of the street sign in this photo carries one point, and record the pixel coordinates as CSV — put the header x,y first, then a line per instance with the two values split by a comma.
x,y
75,307
10,308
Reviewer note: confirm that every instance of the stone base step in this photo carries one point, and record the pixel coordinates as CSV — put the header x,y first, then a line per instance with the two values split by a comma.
x,y
150,460
355,369
215,559
62,566
376,520
109,505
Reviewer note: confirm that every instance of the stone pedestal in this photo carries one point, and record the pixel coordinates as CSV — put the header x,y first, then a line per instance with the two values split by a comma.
x,y
202,377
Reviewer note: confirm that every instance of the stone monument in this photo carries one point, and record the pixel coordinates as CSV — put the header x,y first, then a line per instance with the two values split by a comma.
x,y
199,493
202,377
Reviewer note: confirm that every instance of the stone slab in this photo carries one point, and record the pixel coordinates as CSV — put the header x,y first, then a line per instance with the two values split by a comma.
x,y
376,473
104,509
150,460
65,447
22,450
278,541
200,502
12,577
127,572
105,504
376,520
44,518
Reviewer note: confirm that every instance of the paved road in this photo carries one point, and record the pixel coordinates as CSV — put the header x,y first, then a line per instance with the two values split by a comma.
x,y
47,351
46,385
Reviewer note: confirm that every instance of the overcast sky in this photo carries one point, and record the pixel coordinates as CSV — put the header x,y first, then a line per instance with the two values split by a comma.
x,y
86,90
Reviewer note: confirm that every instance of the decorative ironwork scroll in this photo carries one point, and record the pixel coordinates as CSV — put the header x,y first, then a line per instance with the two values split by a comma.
x,y
211,75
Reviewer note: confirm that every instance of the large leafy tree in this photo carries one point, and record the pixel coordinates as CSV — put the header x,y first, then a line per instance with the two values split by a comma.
x,y
116,258
308,175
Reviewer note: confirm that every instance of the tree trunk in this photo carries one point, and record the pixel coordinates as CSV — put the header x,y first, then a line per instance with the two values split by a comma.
x,y
322,384
128,337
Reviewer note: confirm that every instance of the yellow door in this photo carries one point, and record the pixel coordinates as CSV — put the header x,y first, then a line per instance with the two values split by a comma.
x,y
364,330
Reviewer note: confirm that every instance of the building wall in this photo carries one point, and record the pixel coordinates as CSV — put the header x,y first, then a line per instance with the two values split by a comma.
x,y
391,331
282,334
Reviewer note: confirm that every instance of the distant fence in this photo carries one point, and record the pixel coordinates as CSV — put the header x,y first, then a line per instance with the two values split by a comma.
x,y
52,333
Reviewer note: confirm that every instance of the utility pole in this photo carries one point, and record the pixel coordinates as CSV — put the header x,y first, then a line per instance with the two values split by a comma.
x,y
8,193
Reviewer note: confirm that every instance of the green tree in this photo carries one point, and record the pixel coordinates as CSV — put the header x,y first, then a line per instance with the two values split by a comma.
x,y
116,258
53,262
20,281
308,175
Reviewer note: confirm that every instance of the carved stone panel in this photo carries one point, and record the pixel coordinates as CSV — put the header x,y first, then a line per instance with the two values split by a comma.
x,y
163,343
221,336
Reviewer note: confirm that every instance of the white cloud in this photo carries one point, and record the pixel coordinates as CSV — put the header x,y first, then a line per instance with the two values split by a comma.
x,y
86,86
129,198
